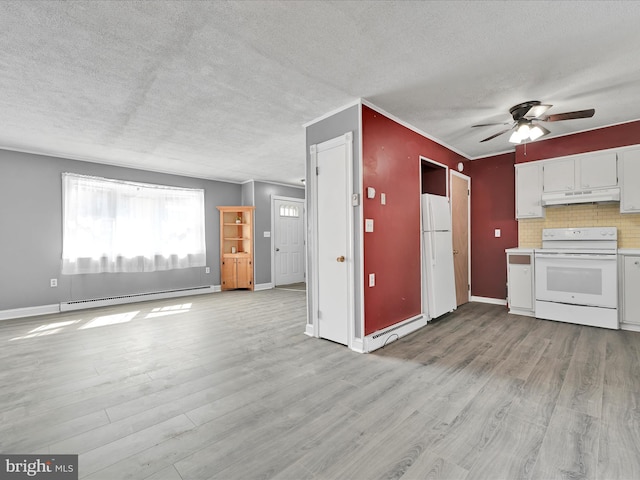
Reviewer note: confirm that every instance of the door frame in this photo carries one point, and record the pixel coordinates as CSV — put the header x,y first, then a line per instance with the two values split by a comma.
x,y
345,140
453,172
273,232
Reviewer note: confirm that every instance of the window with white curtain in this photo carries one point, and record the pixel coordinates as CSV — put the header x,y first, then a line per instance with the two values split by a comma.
x,y
120,226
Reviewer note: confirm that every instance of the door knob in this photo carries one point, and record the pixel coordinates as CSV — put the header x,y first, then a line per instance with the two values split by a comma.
x,y
340,259
277,249
455,252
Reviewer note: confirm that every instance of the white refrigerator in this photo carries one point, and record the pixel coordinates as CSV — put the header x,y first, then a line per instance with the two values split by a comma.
x,y
437,256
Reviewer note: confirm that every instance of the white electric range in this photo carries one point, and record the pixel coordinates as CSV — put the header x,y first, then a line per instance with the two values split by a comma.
x,y
576,277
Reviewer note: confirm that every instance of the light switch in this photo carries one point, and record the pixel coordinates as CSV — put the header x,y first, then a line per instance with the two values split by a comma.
x,y
368,225
266,234
383,198
497,233
372,279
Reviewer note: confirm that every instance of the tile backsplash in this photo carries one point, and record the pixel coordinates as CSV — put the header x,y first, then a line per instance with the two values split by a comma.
x,y
585,215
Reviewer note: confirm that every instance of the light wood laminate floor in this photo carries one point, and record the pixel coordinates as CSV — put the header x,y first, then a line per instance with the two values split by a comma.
x,y
227,386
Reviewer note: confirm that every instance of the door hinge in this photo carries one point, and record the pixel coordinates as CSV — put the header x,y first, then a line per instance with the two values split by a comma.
x,y
317,171
319,315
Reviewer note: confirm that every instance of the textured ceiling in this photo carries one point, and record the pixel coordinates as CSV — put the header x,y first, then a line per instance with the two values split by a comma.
x,y
221,89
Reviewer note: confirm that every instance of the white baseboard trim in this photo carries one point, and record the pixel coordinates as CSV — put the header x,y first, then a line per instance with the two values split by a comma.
x,y
358,345
630,327
309,330
394,332
263,286
29,311
494,301
526,313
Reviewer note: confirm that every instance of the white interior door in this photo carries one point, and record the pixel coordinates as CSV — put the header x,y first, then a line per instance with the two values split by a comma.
x,y
288,241
334,262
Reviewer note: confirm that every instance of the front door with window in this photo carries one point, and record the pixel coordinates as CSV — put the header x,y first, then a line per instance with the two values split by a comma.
x,y
289,241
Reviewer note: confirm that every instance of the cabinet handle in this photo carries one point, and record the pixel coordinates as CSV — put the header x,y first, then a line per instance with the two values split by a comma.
x,y
637,262
340,259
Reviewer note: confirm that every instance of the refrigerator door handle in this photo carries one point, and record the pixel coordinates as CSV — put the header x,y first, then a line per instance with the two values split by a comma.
x,y
433,247
432,233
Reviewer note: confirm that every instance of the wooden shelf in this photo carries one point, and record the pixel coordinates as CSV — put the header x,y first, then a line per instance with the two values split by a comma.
x,y
236,247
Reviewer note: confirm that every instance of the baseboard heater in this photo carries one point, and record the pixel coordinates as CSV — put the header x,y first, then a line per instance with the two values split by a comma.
x,y
135,297
394,332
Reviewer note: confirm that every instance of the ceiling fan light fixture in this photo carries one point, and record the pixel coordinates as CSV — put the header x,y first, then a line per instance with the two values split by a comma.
x,y
536,132
515,137
523,130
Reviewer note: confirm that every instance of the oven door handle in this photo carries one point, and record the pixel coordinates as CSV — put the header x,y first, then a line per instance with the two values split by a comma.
x,y
577,256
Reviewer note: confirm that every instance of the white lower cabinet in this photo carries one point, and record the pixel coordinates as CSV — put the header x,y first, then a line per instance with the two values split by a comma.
x,y
630,291
520,282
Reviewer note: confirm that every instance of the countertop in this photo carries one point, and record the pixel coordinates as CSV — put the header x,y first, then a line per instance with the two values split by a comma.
x,y
519,250
629,251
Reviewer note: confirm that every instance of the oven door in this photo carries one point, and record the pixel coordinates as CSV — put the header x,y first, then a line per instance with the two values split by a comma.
x,y
577,278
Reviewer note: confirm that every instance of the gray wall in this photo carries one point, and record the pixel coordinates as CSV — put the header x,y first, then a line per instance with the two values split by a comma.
x,y
334,126
31,233
262,201
247,194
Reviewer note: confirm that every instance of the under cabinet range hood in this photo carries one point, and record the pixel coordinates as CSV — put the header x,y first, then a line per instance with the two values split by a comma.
x,y
582,196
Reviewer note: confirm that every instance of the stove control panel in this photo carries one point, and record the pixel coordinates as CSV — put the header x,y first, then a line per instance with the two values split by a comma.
x,y
585,233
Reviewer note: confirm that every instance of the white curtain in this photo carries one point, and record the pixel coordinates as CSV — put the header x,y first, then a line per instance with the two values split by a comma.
x,y
118,226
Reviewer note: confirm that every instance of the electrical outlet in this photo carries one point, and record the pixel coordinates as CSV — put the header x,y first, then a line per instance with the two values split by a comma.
x,y
368,225
53,282
372,279
207,270
497,233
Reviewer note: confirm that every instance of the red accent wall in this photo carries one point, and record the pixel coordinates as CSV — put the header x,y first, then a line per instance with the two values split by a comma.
x,y
391,164
492,206
599,139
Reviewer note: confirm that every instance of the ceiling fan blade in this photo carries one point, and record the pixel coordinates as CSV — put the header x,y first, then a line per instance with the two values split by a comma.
x,y
569,115
496,135
537,110
490,124
530,109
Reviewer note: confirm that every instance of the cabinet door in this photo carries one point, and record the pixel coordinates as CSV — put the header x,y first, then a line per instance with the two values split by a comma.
x,y
597,171
244,272
228,270
520,286
631,280
630,182
559,176
529,190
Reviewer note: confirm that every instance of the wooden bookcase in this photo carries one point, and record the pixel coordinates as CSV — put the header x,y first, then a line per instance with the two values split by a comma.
x,y
236,247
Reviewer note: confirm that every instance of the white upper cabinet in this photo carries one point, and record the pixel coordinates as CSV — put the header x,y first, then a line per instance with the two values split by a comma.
x,y
630,181
597,171
529,190
581,173
559,175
